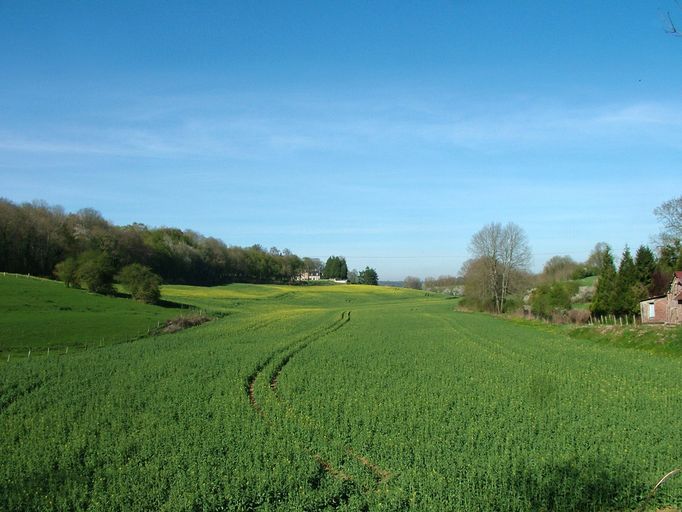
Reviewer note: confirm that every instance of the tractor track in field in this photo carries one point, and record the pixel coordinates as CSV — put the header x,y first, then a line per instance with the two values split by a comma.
x,y
345,318
289,351
380,475
255,326
291,348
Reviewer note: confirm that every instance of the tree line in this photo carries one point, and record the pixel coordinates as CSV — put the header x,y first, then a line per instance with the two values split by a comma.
x,y
619,291
497,276
36,238
337,268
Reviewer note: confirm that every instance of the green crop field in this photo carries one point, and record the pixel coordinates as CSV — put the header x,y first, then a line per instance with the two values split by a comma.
x,y
37,314
341,397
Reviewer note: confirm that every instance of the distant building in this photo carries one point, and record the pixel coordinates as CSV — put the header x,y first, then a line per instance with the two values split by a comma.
x,y
664,309
309,276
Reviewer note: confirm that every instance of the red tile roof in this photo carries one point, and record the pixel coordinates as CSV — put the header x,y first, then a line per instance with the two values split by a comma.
x,y
678,274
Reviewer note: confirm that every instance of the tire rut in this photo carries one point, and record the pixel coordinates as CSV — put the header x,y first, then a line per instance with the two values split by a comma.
x,y
379,474
290,349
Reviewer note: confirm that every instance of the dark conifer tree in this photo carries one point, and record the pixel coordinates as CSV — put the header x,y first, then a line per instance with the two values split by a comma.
x,y
645,266
336,268
626,298
369,276
605,295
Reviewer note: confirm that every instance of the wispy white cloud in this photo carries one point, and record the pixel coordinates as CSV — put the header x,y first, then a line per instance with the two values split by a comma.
x,y
24,143
198,128
641,114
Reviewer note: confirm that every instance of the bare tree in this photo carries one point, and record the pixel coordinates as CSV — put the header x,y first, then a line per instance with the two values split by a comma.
x,y
558,268
670,215
505,252
670,26
412,282
595,260
474,274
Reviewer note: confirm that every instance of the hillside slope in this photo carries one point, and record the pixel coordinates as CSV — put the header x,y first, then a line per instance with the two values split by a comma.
x,y
37,314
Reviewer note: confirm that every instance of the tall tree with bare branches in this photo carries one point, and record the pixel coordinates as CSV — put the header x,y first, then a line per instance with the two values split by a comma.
x,y
505,254
669,213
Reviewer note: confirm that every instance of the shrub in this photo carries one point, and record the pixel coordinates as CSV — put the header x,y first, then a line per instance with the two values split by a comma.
x,y
96,272
549,299
579,316
67,271
141,282
185,322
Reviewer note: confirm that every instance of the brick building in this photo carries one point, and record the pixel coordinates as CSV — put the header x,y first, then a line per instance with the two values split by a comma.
x,y
665,309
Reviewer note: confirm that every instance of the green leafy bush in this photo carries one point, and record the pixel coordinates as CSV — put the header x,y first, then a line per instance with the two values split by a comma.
x,y
96,272
67,271
141,282
549,299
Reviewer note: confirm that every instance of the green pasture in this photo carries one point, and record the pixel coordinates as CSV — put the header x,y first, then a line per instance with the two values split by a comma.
x,y
342,398
38,313
587,281
658,339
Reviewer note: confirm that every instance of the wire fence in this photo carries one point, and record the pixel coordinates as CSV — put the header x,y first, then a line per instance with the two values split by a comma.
x,y
14,353
9,353
29,276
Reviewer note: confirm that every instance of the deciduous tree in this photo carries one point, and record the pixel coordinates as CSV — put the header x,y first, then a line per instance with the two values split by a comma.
x,y
669,214
141,282
412,282
559,268
96,272
505,254
67,271
596,258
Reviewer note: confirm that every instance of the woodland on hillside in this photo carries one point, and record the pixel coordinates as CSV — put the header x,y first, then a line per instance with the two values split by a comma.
x,y
35,237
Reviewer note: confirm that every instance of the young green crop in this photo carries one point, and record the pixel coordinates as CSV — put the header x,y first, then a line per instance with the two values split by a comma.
x,y
341,397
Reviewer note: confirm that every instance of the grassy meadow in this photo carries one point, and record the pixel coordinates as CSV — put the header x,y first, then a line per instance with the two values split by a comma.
x,y
38,313
340,397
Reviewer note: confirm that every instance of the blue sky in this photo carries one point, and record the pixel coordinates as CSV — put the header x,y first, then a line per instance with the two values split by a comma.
x,y
388,132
